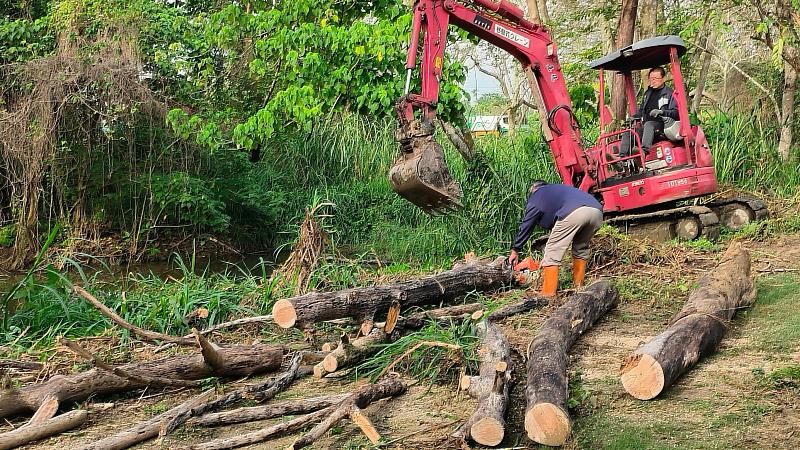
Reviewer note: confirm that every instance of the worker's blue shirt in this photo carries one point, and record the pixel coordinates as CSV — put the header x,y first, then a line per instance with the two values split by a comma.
x,y
549,203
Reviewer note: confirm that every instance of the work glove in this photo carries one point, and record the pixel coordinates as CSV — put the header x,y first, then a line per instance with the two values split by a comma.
x,y
655,113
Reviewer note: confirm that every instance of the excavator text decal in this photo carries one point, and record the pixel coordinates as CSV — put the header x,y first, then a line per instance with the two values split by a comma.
x,y
512,36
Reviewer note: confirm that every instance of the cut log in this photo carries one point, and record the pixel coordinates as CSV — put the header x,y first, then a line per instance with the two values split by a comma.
x,y
284,408
352,406
50,427
347,353
149,429
546,416
365,303
487,424
21,365
695,331
239,361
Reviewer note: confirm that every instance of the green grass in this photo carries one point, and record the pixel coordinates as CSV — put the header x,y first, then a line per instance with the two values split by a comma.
x,y
776,312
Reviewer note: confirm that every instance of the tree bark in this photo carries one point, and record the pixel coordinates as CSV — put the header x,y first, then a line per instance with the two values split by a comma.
x,y
351,407
487,424
695,331
787,110
546,417
347,353
625,31
704,68
543,11
533,11
239,361
285,408
365,303
50,427
149,429
461,139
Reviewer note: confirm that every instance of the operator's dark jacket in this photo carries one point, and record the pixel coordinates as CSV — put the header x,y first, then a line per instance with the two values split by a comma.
x,y
549,203
670,109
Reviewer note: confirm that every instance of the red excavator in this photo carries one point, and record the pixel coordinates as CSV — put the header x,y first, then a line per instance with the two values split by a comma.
x,y
636,189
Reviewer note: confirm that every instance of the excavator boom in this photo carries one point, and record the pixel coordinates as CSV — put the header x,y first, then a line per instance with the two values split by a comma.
x,y
421,174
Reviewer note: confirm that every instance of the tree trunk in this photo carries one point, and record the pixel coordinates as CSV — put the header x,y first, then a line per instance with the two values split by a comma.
x,y
704,68
347,353
365,303
533,11
487,424
787,109
695,331
239,361
627,25
461,138
50,427
546,417
543,12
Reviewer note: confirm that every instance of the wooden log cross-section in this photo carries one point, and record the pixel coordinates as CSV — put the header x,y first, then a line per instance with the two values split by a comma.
x,y
491,388
237,361
695,331
546,417
364,303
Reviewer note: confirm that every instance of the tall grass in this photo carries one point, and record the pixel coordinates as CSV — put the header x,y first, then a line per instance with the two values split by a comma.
x,y
746,156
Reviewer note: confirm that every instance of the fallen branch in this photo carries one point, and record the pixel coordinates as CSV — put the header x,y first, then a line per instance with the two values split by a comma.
x,y
517,308
546,417
260,392
22,365
150,336
695,331
145,380
263,434
351,407
240,361
347,353
50,427
149,429
285,408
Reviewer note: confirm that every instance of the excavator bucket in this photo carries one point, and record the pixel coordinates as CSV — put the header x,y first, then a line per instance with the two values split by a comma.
x,y
421,175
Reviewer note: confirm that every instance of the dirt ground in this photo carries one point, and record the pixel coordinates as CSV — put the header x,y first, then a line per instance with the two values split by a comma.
x,y
718,404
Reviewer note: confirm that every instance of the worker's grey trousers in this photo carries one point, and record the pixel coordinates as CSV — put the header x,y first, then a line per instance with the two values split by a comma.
x,y
578,228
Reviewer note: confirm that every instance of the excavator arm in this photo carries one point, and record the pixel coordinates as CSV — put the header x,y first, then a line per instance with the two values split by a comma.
x,y
421,174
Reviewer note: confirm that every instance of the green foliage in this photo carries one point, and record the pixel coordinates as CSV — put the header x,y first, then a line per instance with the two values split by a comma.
x,y
24,39
745,154
187,199
426,362
490,104
7,235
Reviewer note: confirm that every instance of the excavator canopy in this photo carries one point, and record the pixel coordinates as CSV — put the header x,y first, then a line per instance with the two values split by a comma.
x,y
640,55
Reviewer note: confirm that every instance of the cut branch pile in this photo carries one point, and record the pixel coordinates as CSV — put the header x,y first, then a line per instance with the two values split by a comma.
x,y
695,331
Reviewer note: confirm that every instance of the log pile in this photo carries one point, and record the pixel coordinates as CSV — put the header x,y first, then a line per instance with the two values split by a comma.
x,y
651,368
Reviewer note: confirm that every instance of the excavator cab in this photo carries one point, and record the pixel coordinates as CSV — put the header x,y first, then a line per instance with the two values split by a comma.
x,y
679,165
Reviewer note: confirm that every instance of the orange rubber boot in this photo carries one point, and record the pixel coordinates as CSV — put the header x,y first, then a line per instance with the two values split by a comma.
x,y
578,271
549,281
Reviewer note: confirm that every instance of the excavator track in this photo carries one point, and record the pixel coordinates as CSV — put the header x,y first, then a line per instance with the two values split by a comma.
x,y
685,222
734,213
